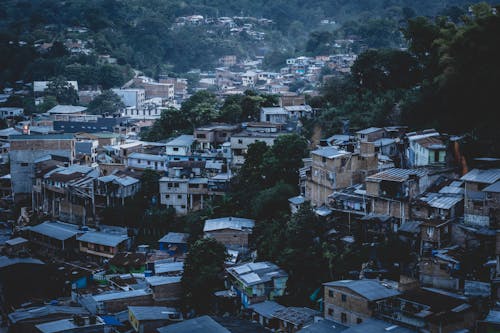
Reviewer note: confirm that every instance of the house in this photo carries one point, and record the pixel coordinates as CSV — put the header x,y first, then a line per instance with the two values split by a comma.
x,y
213,135
115,189
489,324
174,193
40,86
180,146
391,190
168,267
296,112
242,140
351,302
66,110
292,319
370,134
174,243
334,169
480,208
257,282
203,324
128,262
102,244
143,161
23,320
16,245
145,319
441,269
262,313
434,234
131,97
165,289
116,301
229,230
54,236
10,112
25,150
429,310
77,324
276,115
426,148
65,192
385,146
295,203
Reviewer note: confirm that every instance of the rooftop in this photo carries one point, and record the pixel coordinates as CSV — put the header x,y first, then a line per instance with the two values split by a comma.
x,y
296,315
120,295
58,230
65,136
149,157
6,261
377,326
234,223
162,280
151,312
203,324
324,326
494,188
175,237
372,290
43,311
64,325
66,109
369,130
397,175
266,308
329,152
488,176
102,238
16,241
181,140
256,273
298,200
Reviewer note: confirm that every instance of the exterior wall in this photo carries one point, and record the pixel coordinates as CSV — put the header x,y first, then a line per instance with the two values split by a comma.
x,y
170,293
117,305
239,145
328,175
432,274
343,306
394,208
178,150
476,212
141,163
175,195
142,113
100,250
229,237
131,97
22,155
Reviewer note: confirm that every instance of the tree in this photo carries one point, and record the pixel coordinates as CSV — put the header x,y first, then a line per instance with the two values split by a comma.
x,y
150,184
202,268
106,103
62,90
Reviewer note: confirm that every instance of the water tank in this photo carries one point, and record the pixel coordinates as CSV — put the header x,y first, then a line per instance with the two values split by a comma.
x,y
148,273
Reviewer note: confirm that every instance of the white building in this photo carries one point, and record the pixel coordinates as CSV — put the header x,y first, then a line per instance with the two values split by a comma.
x,y
131,97
147,161
276,115
6,112
180,146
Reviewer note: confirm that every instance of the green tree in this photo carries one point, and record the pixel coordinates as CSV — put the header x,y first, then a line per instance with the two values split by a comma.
x,y
106,103
150,186
62,90
202,269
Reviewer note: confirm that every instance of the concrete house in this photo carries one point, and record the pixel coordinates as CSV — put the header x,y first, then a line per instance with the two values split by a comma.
x,y
180,146
479,193
426,149
351,302
213,135
257,282
146,319
166,289
25,150
229,230
174,243
102,245
131,97
143,161
276,115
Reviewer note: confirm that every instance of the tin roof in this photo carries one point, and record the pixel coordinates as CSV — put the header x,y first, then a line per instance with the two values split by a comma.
x,y
370,289
58,230
175,237
151,312
495,188
256,273
488,176
396,175
181,140
266,308
120,295
369,130
234,223
102,238
200,324
329,152
162,280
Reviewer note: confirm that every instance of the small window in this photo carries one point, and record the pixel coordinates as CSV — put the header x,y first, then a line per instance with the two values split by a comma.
x,y
240,141
183,206
330,312
330,293
343,317
24,164
323,159
359,320
344,298
176,149
179,196
167,196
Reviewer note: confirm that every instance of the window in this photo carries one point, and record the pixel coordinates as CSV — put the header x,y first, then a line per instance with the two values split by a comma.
x,y
183,206
330,312
175,149
176,185
359,320
167,196
323,159
24,164
179,196
170,185
240,141
330,293
344,298
343,317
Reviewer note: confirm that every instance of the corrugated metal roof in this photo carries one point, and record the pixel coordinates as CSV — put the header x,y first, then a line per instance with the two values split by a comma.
x,y
102,238
175,237
6,261
64,325
489,176
442,201
199,324
182,140
151,312
66,109
451,190
397,175
495,188
162,280
148,157
298,200
410,227
266,308
57,230
255,273
234,223
169,267
329,152
37,312
120,295
370,289
369,130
